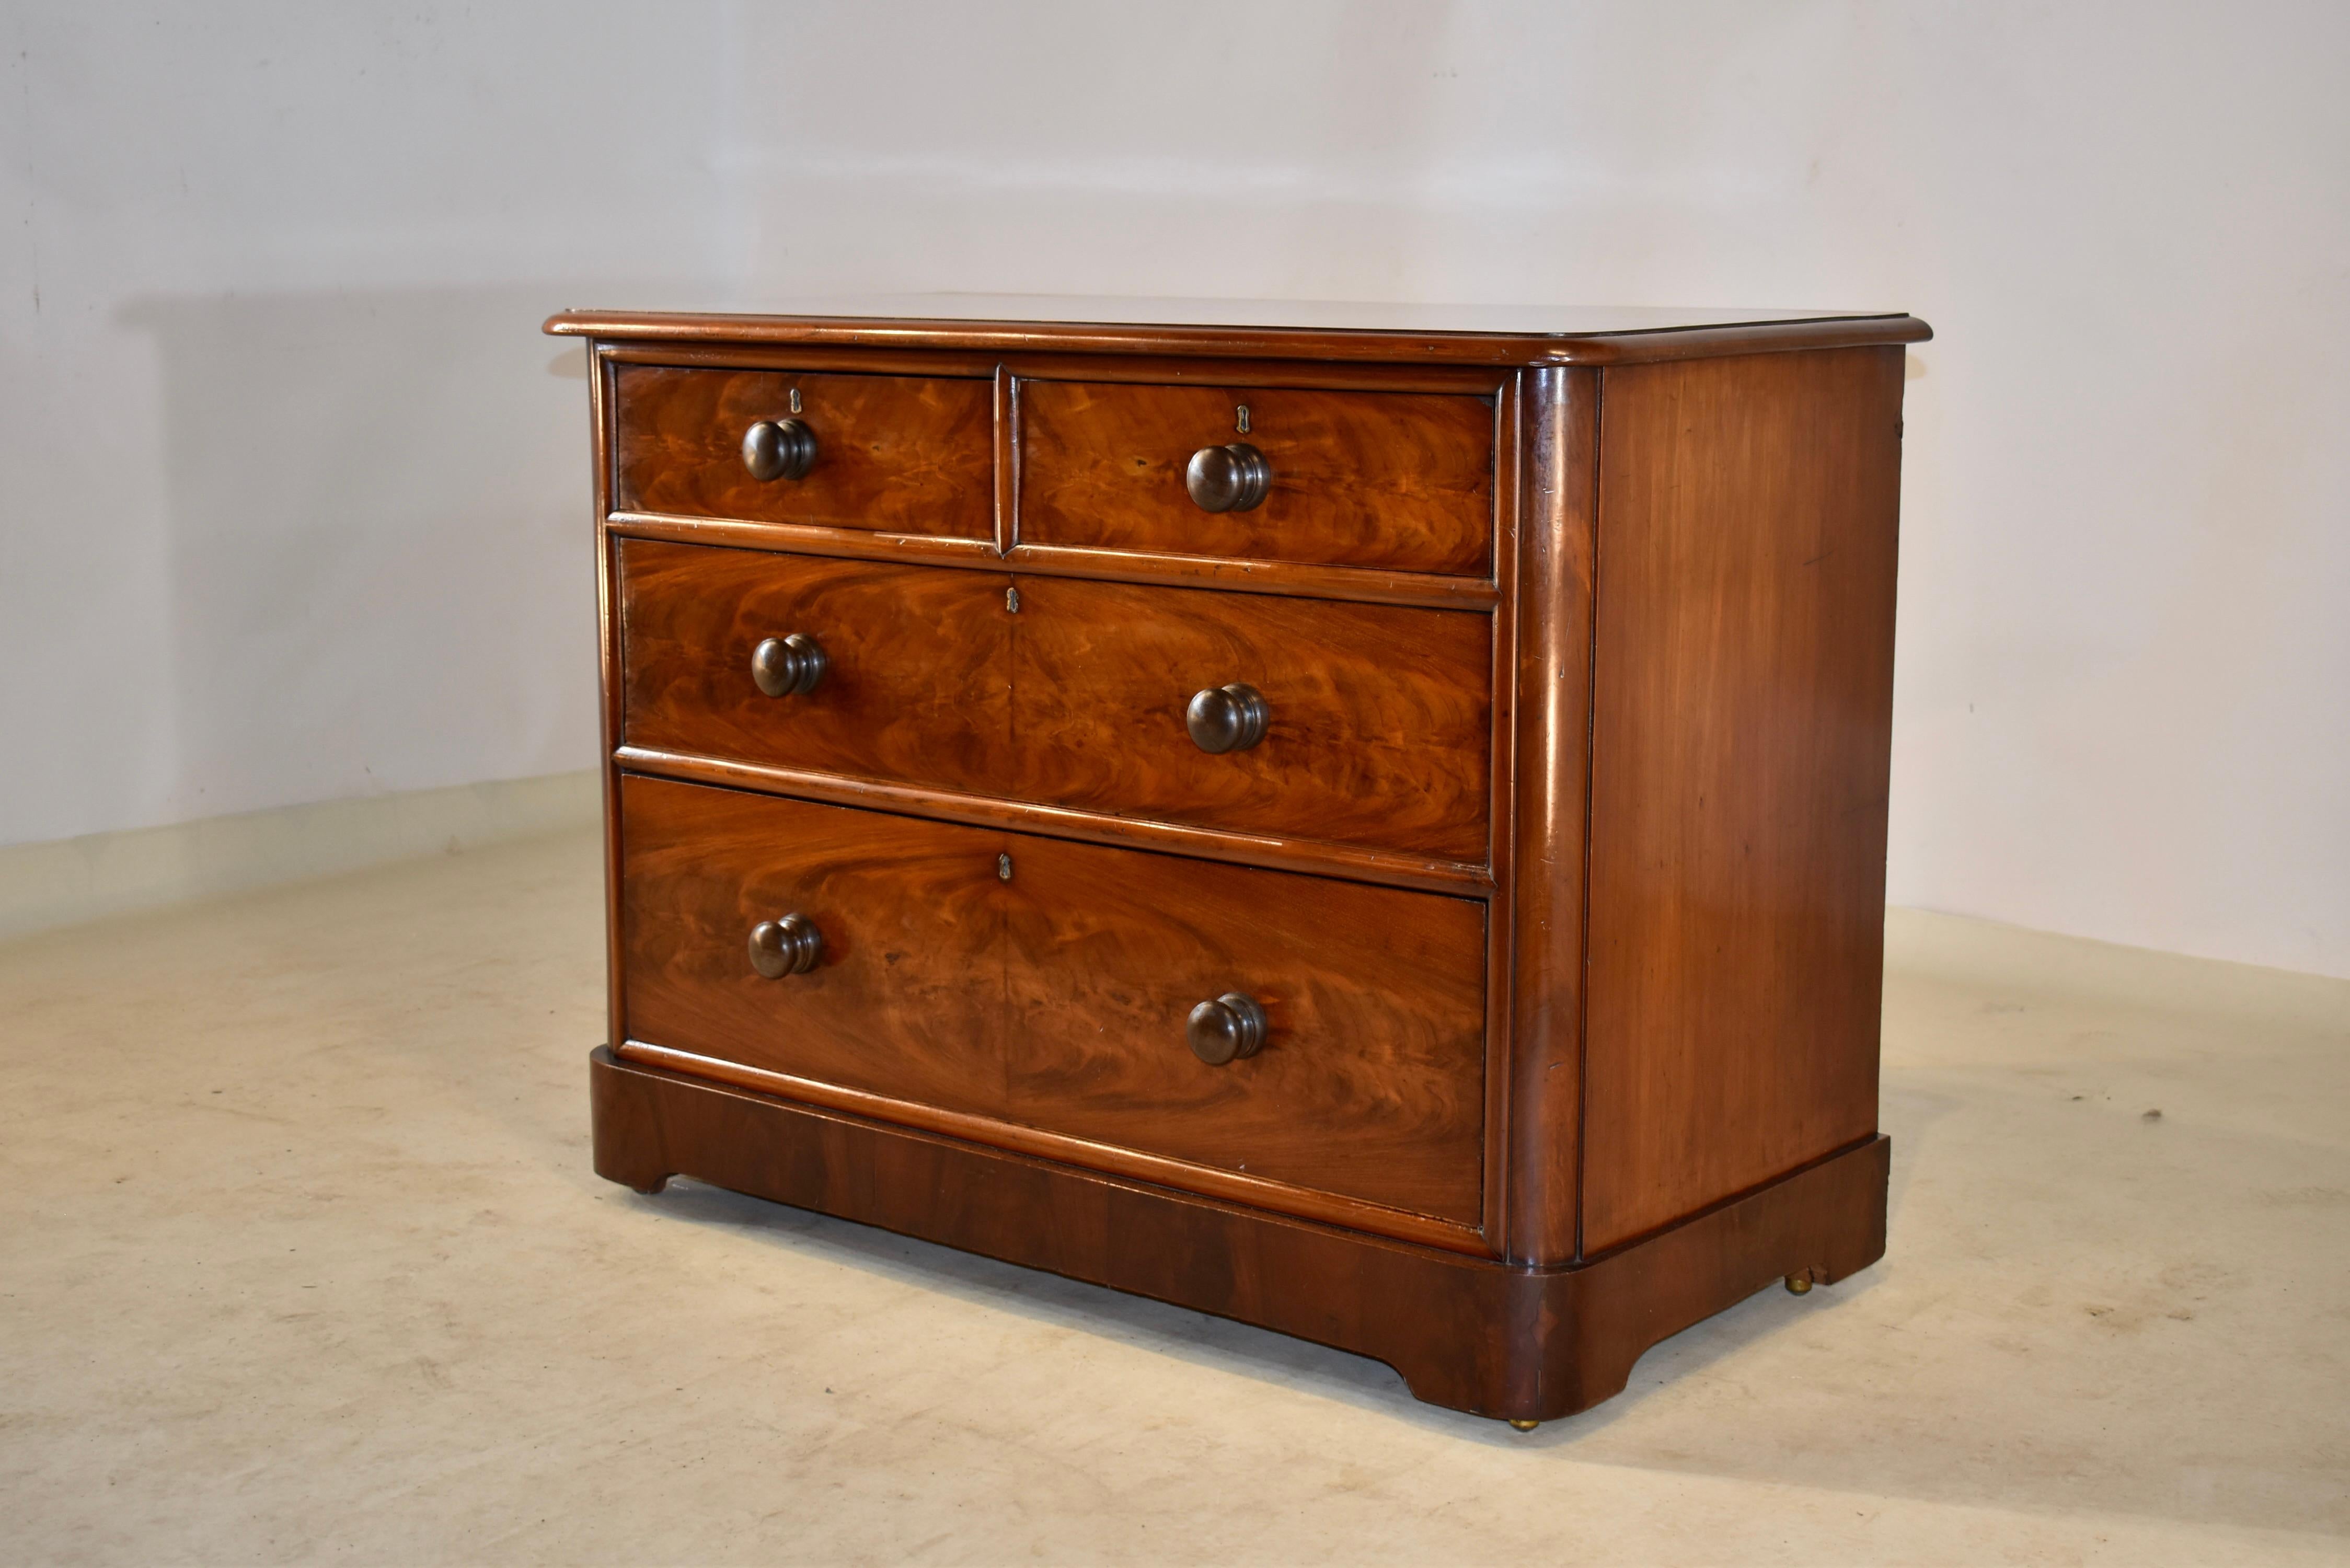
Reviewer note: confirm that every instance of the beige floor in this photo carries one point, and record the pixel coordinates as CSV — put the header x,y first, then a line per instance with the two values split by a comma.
x,y
301,1259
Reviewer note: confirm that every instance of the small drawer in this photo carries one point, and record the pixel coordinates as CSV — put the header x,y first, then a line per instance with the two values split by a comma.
x,y
1375,720
1397,481
914,686
892,454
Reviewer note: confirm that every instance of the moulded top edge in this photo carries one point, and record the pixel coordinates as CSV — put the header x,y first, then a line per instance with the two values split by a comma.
x,y
1264,328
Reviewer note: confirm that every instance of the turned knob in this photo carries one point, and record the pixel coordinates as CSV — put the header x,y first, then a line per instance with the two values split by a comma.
x,y
778,448
1227,718
788,665
1228,478
1233,1025
789,946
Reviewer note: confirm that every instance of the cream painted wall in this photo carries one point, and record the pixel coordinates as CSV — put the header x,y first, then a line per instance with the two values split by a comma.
x,y
2124,695
293,504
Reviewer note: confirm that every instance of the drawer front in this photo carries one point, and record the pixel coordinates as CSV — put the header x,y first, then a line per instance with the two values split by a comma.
x,y
916,684
1369,1082
907,998
1401,481
1057,999
893,455
1379,718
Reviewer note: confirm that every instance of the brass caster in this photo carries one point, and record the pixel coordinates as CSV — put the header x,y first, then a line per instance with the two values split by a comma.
x,y
1523,1426
1797,1284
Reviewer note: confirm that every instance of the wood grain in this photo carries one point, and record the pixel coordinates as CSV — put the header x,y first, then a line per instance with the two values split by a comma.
x,y
1551,754
1398,480
1380,714
909,999
895,454
1405,336
1162,369
1349,583
1371,1081
1056,997
1741,728
1471,1333
1347,862
918,687
1560,872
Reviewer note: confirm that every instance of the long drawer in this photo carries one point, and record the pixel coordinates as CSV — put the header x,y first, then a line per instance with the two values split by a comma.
x,y
1375,720
1050,985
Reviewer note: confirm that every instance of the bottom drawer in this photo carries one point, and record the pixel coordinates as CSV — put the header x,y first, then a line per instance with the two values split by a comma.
x,y
1055,999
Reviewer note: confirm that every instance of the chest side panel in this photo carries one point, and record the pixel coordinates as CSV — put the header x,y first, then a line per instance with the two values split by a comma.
x,y
1740,737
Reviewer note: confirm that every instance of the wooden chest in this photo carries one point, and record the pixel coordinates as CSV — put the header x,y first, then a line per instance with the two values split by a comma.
x,y
1365,821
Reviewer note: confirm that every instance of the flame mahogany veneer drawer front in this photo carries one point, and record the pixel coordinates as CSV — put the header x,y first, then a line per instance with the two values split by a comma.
x,y
1399,481
1058,998
1377,719
916,685
892,454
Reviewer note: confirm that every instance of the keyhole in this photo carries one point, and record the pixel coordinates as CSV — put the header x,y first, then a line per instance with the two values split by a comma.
x,y
796,400
1240,418
1004,868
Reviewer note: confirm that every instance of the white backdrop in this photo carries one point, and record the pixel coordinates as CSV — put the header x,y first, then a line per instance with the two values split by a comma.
x,y
295,501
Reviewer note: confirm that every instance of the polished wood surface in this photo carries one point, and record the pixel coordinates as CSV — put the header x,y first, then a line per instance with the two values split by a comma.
x,y
918,686
1075,699
1551,762
1740,736
1517,335
1371,1080
1044,982
1349,862
908,999
1110,1159
1556,876
1475,1335
1351,584
1379,714
1388,480
1054,364
895,454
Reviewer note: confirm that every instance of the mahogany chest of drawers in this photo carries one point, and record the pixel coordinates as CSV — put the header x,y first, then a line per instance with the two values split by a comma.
x,y
1368,822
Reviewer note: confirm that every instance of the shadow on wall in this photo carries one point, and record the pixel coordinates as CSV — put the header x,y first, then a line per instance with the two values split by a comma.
x,y
380,574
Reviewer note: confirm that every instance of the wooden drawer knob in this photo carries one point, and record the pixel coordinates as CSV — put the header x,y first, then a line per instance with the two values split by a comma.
x,y
1229,1027
789,946
1228,478
778,448
788,665
1227,718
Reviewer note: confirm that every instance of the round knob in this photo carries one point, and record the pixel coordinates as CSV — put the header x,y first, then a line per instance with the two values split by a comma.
x,y
1227,718
778,448
1230,1026
789,946
1228,478
788,665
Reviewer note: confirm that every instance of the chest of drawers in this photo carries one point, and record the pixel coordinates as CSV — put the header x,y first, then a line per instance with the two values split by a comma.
x,y
1368,822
